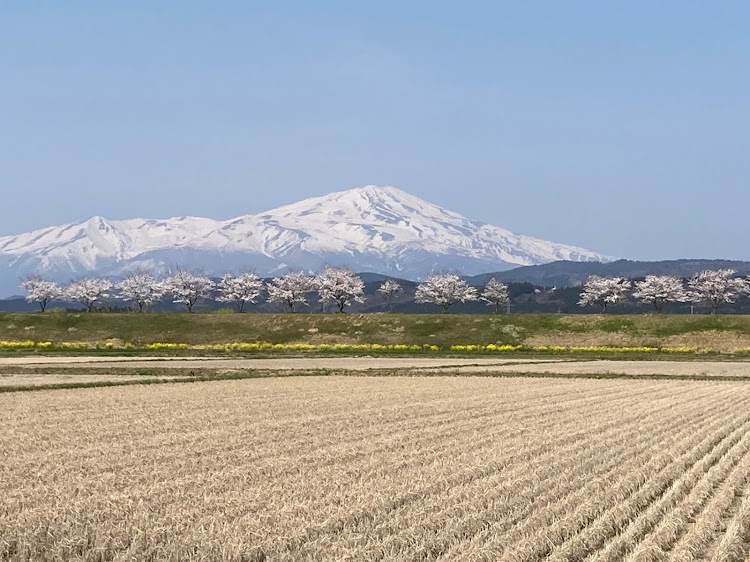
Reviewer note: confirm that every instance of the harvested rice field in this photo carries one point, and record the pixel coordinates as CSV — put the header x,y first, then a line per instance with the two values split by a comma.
x,y
378,468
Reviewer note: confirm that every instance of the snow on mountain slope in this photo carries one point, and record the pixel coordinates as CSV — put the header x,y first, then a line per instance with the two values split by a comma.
x,y
371,228
387,219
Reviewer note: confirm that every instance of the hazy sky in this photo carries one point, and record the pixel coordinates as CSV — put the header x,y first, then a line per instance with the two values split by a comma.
x,y
622,127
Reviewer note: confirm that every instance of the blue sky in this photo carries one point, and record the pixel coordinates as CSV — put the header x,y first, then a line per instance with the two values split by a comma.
x,y
621,127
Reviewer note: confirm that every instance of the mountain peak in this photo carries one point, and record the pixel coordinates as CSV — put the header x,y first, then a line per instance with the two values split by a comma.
x,y
97,222
379,192
371,205
375,194
366,195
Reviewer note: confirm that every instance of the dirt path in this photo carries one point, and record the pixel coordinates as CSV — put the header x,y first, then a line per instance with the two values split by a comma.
x,y
450,365
24,379
281,363
632,368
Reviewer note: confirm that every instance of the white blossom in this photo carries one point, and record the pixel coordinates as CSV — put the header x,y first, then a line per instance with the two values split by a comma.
x,y
88,291
659,290
240,290
289,289
603,291
716,287
445,289
141,288
40,290
188,288
340,285
495,293
389,289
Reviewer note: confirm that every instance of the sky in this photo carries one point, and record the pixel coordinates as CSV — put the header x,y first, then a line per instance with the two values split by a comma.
x,y
620,127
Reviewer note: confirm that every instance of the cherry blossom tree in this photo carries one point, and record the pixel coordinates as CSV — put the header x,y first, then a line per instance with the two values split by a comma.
x,y
445,289
188,288
240,290
40,290
389,289
341,286
290,289
659,290
604,291
495,293
141,288
88,291
716,287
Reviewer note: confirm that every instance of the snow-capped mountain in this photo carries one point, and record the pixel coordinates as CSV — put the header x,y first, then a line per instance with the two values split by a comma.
x,y
380,229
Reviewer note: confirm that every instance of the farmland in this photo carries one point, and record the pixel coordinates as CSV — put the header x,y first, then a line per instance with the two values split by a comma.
x,y
378,468
58,371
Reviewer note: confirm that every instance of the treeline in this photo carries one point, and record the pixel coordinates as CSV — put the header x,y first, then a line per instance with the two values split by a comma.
x,y
337,289
334,286
712,288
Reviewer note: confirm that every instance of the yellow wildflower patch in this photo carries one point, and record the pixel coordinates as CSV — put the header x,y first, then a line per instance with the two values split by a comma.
x,y
249,347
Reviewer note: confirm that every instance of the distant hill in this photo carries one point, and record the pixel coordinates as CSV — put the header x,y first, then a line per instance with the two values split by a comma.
x,y
571,274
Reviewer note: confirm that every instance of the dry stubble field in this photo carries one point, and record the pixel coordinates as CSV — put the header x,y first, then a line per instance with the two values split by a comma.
x,y
375,468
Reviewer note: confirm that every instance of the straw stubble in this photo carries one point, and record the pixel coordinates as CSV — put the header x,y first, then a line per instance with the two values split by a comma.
x,y
360,468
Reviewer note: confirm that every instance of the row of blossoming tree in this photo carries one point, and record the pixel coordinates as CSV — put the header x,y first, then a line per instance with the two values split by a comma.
x,y
709,287
336,285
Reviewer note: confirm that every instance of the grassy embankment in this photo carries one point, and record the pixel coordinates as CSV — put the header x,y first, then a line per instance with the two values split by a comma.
x,y
713,333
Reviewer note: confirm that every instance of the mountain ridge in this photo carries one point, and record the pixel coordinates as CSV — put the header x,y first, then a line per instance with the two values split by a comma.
x,y
371,228
571,274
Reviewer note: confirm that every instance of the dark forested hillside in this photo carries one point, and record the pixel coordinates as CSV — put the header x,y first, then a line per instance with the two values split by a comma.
x,y
571,274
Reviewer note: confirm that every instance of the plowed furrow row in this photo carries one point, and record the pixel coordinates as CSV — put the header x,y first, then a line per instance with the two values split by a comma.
x,y
550,466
